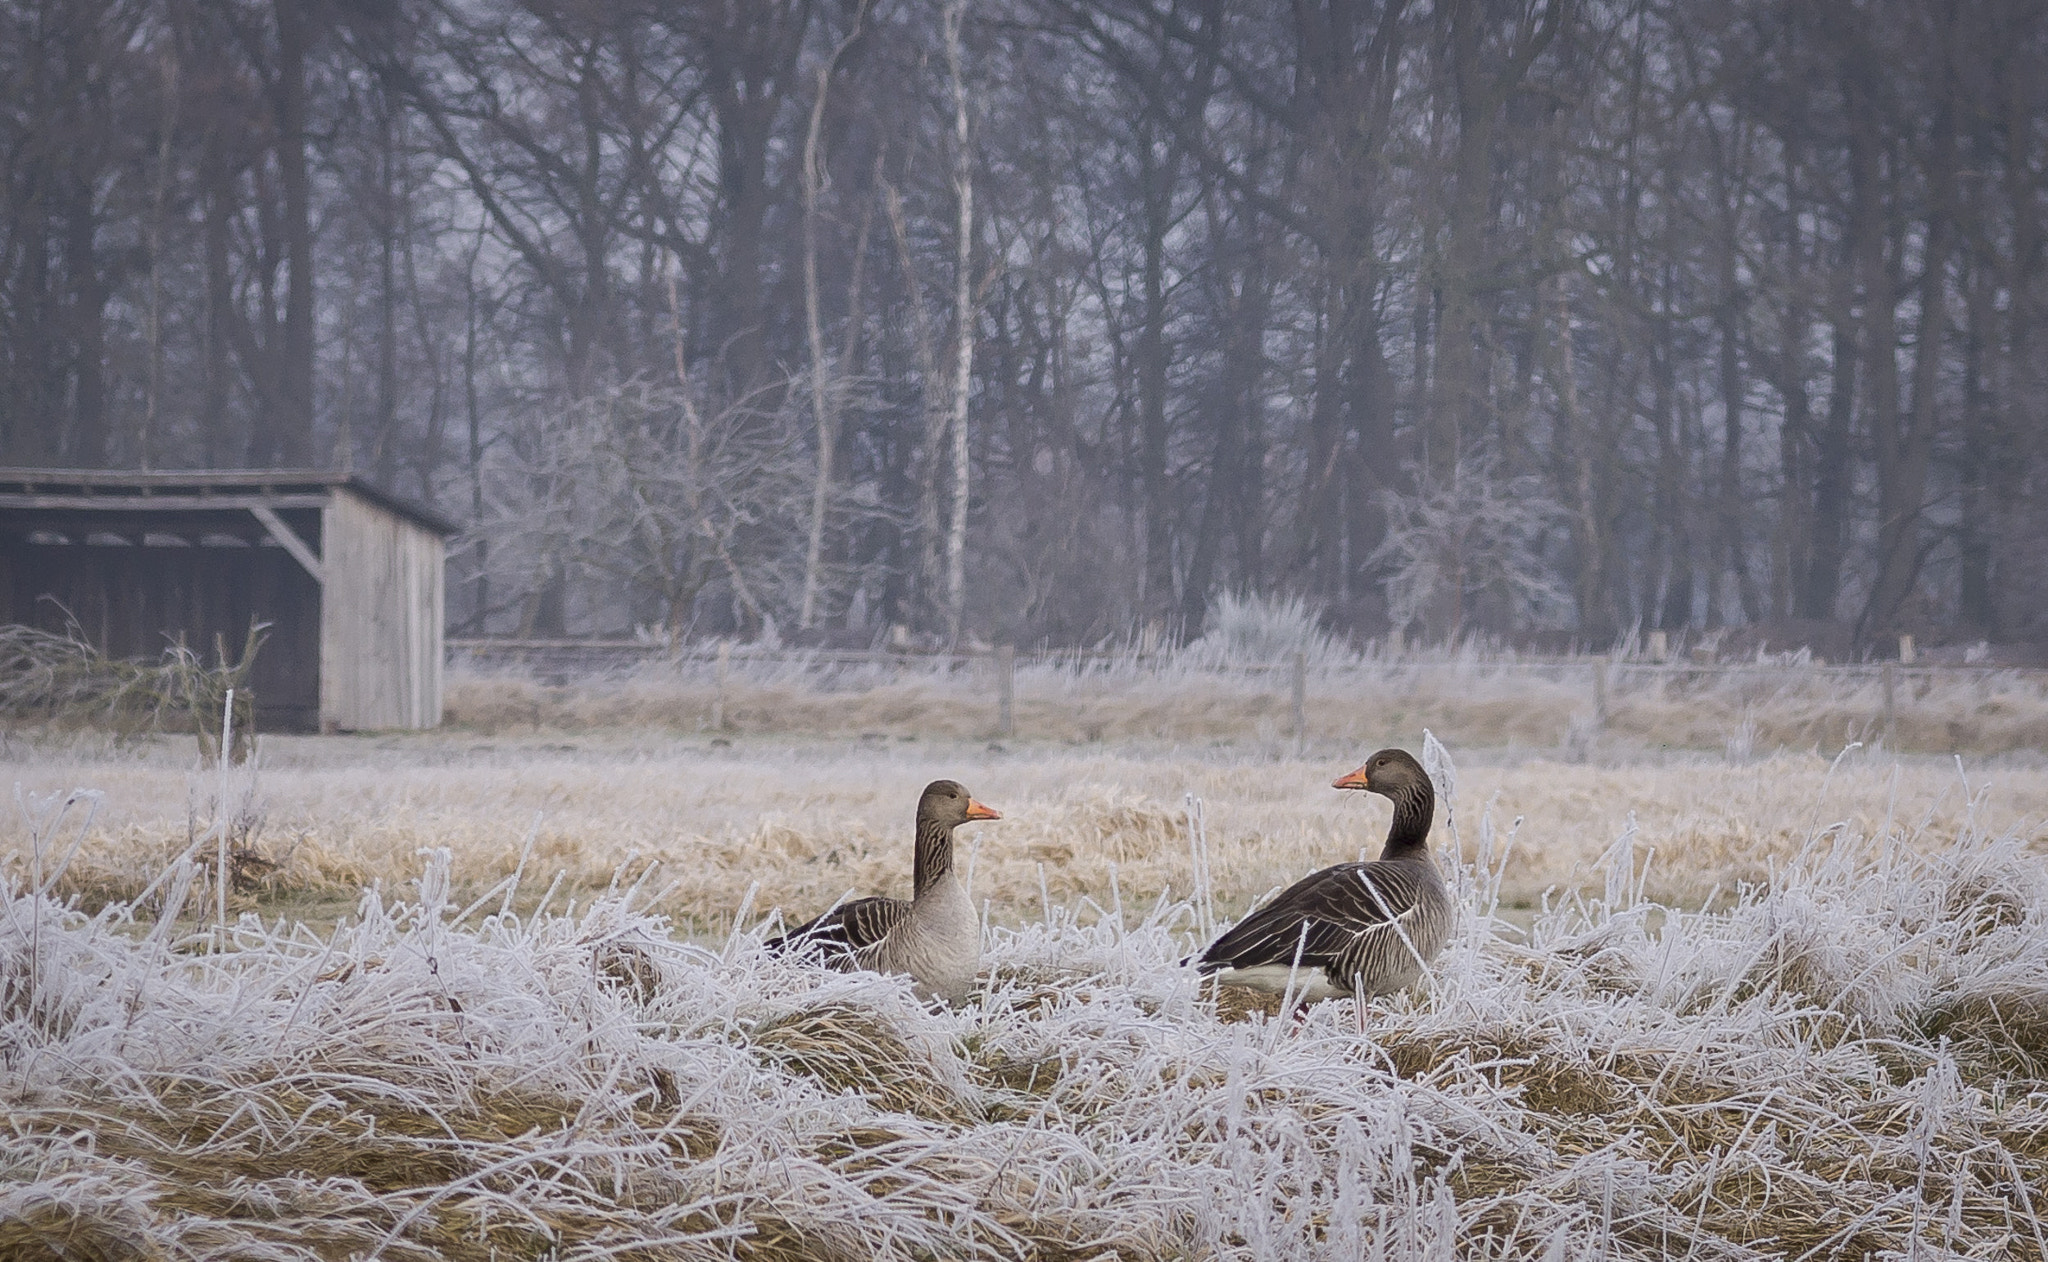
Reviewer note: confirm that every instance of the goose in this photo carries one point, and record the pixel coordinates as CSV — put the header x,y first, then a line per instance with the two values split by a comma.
x,y
935,937
1361,929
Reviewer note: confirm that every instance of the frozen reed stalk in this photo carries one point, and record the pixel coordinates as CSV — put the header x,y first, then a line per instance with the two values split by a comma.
x,y
43,821
220,819
1299,697
1293,977
1006,686
1201,892
1443,773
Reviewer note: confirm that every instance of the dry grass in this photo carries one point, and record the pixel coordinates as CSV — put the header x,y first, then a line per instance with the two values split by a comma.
x,y
809,821
1769,1007
64,683
1746,711
1824,1068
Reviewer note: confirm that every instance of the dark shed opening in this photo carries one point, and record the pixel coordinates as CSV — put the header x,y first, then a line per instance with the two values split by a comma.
x,y
349,579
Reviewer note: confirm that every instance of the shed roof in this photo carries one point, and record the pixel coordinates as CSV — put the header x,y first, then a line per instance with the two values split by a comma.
x,y
200,489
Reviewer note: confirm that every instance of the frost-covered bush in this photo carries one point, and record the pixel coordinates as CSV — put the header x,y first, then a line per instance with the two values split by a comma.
x,y
1255,630
1475,540
652,487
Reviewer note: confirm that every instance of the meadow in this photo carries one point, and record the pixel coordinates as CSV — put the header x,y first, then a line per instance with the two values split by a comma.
x,y
1721,989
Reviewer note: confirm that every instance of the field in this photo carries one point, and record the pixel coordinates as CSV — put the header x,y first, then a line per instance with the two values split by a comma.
x,y
1721,989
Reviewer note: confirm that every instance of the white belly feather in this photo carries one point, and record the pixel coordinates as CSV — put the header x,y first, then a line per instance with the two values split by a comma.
x,y
1311,985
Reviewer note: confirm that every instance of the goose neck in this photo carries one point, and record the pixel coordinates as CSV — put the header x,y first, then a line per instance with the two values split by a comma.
x,y
1408,835
934,855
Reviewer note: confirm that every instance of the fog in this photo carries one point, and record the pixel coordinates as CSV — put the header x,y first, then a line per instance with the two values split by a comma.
x,y
952,323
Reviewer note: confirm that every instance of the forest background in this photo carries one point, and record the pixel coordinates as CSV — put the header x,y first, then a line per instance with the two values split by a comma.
x,y
1050,322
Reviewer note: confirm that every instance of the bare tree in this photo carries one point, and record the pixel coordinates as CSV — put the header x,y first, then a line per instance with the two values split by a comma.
x,y
1180,298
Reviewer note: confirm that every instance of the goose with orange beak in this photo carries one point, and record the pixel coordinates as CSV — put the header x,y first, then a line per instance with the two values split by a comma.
x,y
935,937
1360,929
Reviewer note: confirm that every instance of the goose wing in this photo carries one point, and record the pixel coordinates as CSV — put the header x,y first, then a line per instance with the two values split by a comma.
x,y
1321,914
843,933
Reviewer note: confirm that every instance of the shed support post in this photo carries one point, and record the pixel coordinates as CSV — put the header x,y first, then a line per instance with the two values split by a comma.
x,y
289,540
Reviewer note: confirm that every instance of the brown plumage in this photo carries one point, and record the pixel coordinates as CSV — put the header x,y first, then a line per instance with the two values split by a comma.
x,y
1356,928
935,937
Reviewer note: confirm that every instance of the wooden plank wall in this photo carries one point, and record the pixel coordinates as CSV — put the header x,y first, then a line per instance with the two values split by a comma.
x,y
380,629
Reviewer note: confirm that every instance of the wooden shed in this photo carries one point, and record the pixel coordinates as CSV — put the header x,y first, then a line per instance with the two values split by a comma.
x,y
348,577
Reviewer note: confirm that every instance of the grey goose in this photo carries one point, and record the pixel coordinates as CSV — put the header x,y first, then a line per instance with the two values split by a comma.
x,y
935,937
1362,929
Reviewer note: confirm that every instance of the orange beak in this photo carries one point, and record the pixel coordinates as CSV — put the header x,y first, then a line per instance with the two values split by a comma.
x,y
1356,780
976,810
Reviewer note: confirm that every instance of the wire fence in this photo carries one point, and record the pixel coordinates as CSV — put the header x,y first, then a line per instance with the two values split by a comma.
x,y
590,657
1596,682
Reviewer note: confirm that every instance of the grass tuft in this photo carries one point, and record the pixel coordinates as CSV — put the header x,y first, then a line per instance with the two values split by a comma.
x,y
1837,1054
848,1049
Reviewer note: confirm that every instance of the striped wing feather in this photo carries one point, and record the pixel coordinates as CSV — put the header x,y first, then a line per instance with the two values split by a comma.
x,y
841,934
1337,904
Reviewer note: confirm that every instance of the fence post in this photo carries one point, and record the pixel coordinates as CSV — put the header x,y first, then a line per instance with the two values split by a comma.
x,y
1906,653
1660,646
718,686
1600,665
1006,688
1891,688
1300,702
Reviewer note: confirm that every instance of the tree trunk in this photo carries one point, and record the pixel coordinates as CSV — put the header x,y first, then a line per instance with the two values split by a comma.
x,y
1793,541
216,376
824,397
936,416
1974,606
1668,591
1233,511
1831,471
963,327
750,59
294,441
1574,450
384,444
1155,183
86,319
1481,85
481,607
1904,442
1731,505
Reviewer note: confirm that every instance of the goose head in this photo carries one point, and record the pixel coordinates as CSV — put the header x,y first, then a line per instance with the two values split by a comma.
x,y
1390,773
947,804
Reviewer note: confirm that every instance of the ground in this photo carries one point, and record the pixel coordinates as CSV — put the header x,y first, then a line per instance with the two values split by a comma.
x,y
496,991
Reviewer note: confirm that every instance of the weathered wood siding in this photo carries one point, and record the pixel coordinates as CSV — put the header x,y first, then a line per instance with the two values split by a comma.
x,y
381,616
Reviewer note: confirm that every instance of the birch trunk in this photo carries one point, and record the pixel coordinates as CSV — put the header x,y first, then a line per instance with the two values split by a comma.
x,y
824,395
963,325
